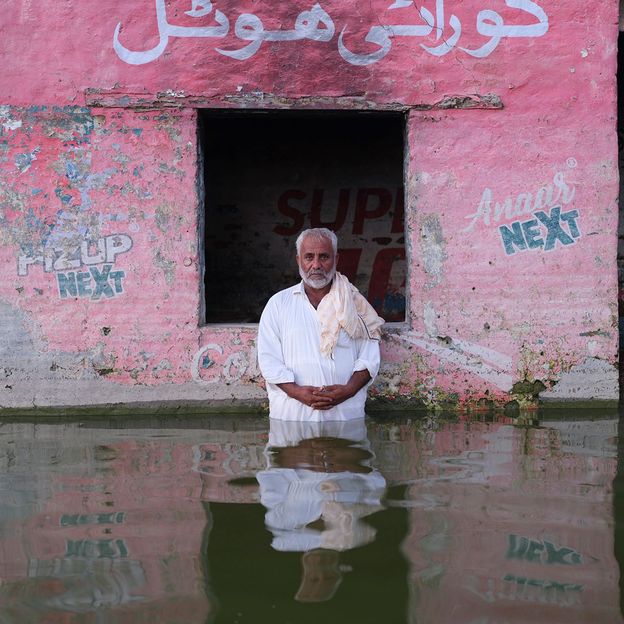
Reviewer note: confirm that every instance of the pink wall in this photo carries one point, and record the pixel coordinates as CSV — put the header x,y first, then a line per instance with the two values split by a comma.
x,y
511,137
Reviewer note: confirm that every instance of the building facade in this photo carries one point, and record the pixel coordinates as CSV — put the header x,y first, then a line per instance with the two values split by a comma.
x,y
159,158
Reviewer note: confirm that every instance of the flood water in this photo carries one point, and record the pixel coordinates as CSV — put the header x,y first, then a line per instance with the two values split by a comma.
x,y
232,519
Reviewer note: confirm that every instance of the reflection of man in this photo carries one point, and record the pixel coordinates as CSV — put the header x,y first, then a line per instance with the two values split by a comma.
x,y
318,341
318,487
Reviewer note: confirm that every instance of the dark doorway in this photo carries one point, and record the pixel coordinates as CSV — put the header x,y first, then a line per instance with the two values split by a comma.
x,y
269,175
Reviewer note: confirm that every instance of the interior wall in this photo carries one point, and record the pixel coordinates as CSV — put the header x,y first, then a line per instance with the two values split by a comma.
x,y
268,176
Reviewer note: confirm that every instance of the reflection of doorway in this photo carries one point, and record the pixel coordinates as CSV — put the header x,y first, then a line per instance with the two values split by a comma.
x,y
270,174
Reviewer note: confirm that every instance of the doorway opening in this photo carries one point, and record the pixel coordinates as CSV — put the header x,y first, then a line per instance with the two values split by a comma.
x,y
270,174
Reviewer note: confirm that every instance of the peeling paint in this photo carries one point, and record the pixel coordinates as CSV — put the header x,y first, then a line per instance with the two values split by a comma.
x,y
11,124
430,320
433,248
592,379
25,356
489,100
166,265
24,161
528,389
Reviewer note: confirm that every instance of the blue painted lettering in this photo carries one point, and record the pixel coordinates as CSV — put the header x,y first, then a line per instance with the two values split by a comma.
x,y
570,218
101,281
93,283
512,236
555,231
532,234
82,280
67,285
543,232
117,276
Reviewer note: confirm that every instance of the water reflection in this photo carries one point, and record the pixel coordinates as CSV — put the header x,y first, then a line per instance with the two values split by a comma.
x,y
318,486
427,520
99,524
507,521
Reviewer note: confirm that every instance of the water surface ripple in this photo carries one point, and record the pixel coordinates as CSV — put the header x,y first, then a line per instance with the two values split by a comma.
x,y
410,519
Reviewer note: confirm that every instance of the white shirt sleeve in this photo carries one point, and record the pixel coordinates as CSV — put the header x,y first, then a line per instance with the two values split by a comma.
x,y
270,356
368,358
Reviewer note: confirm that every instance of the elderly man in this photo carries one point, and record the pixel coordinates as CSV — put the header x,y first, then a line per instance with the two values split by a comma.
x,y
318,341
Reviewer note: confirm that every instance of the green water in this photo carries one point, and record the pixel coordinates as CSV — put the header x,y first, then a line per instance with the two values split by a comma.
x,y
419,519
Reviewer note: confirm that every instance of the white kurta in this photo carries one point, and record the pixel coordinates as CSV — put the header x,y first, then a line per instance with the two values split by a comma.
x,y
289,351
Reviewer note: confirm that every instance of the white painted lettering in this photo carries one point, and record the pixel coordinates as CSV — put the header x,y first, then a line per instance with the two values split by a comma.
x,y
567,192
74,256
117,244
557,193
24,261
97,258
316,24
483,210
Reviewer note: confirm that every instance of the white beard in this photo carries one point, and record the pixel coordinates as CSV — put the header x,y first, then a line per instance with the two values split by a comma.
x,y
319,279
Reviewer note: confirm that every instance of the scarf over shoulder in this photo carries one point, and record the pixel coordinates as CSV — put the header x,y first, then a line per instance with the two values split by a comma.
x,y
344,307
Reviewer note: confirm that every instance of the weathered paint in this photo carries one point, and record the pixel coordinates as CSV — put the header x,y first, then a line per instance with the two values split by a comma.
x,y
510,191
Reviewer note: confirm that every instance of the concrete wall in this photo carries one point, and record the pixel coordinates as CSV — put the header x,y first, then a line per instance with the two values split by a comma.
x,y
510,182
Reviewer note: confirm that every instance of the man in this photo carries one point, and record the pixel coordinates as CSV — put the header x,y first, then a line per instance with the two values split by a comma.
x,y
318,341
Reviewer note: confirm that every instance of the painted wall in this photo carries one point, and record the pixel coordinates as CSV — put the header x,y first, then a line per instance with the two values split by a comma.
x,y
510,190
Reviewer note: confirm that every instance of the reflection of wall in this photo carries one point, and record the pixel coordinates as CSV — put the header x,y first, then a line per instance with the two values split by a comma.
x,y
110,523
506,519
502,521
107,520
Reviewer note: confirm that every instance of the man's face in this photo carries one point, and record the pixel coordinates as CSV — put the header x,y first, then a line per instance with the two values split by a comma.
x,y
317,262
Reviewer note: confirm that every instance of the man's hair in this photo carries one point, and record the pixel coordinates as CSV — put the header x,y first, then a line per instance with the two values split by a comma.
x,y
317,233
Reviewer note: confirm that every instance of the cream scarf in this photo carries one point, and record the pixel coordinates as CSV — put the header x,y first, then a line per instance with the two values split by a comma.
x,y
345,307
